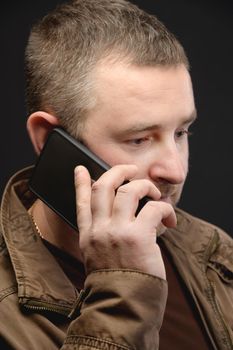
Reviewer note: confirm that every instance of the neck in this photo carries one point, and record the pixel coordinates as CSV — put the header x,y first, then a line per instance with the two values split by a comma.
x,y
55,230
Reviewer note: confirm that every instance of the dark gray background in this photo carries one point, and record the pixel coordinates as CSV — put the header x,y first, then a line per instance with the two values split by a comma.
x,y
205,28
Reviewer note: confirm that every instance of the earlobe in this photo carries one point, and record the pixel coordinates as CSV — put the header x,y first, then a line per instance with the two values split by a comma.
x,y
39,125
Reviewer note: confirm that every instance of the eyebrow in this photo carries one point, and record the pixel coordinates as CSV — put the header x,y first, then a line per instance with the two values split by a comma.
x,y
141,127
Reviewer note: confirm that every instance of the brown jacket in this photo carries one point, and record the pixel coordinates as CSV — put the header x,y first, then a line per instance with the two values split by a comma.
x,y
118,309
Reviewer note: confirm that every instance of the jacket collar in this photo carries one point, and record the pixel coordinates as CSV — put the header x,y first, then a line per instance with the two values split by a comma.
x,y
39,277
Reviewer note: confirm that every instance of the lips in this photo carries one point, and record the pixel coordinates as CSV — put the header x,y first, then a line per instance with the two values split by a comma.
x,y
170,193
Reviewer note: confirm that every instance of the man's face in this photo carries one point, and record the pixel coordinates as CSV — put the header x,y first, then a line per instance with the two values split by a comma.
x,y
142,117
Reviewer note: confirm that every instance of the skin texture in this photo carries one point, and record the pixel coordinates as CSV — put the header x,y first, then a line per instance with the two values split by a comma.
x,y
139,126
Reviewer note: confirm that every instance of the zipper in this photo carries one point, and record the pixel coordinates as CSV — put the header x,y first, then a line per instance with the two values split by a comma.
x,y
43,307
76,311
70,312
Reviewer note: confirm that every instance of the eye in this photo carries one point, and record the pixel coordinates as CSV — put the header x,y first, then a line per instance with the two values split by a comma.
x,y
139,141
183,132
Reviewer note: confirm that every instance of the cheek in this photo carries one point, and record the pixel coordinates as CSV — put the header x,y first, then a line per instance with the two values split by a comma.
x,y
186,159
115,158
110,154
184,155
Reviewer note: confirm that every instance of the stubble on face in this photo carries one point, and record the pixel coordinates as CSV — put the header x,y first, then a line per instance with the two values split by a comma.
x,y
132,95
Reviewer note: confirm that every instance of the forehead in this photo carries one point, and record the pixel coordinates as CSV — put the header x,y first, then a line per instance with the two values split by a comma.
x,y
127,93
140,80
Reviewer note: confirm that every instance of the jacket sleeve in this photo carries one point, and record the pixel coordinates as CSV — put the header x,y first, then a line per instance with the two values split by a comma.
x,y
118,309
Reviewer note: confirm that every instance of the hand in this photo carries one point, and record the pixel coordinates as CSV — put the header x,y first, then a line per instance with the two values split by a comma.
x,y
110,236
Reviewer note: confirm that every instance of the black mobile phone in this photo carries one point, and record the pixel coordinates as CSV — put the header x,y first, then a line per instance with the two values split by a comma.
x,y
52,178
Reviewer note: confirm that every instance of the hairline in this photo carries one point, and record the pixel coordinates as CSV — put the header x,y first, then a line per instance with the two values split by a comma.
x,y
110,60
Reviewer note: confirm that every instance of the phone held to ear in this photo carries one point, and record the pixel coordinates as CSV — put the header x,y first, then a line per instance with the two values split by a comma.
x,y
52,179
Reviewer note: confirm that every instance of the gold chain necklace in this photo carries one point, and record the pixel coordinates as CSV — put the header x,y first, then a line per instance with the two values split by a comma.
x,y
30,212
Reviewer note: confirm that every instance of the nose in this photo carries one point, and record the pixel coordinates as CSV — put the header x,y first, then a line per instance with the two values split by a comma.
x,y
170,165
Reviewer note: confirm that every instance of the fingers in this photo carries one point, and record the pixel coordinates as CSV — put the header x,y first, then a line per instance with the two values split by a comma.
x,y
83,197
155,212
128,196
104,189
110,236
108,199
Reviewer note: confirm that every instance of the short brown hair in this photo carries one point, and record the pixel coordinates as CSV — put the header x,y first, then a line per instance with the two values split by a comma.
x,y
66,45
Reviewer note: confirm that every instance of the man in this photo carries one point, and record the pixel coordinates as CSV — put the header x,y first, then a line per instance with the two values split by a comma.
x,y
113,77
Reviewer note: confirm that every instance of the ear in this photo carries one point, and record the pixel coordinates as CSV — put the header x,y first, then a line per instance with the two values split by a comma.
x,y
39,125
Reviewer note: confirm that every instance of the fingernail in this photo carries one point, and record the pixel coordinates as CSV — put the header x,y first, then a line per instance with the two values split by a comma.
x,y
78,170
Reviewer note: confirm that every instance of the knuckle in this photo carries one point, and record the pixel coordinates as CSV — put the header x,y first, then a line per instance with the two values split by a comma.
x,y
102,184
94,232
81,203
124,189
97,186
114,240
92,241
129,192
98,232
130,240
153,204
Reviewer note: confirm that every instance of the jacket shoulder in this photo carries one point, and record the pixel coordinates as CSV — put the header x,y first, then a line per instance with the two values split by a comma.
x,y
205,241
187,222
